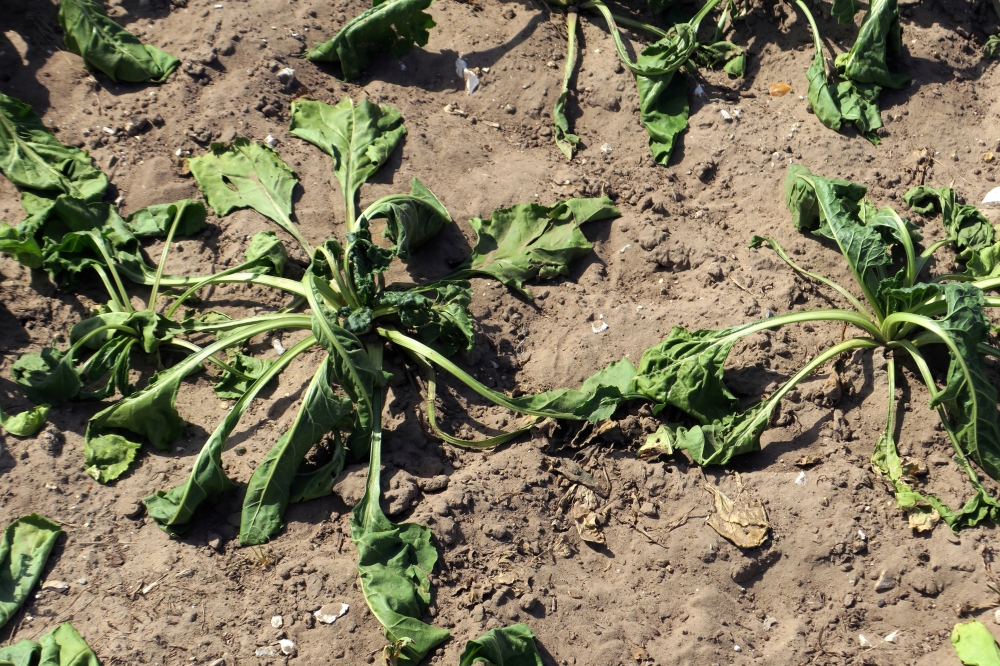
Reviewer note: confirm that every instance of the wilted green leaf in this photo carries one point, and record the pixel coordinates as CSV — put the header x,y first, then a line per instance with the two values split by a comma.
x,y
595,400
717,442
271,484
844,10
107,46
390,26
32,157
26,545
26,423
965,225
231,386
47,378
878,39
441,317
506,646
267,250
154,221
529,240
62,646
410,219
565,140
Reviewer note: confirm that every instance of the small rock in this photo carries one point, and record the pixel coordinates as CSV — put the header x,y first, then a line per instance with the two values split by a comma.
x,y
265,652
309,620
509,109
60,586
218,662
287,647
647,509
134,511
277,622
271,141
137,125
287,76
158,120
848,600
478,613
528,602
51,440
329,613
607,148
214,541
996,616
885,582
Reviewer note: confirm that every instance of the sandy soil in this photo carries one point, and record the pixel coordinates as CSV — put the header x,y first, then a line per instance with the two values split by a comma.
x,y
664,590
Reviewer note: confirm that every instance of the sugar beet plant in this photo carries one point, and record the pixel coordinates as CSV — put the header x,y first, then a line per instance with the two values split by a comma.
x,y
901,310
342,306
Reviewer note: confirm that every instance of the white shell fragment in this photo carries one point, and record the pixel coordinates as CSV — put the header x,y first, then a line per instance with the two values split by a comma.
x,y
265,652
993,196
864,641
891,638
599,329
329,613
460,67
607,148
57,585
471,81
800,480
287,646
726,115
276,344
277,622
287,75
271,141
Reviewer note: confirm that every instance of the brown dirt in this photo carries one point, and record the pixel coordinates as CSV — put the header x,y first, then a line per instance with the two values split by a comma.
x,y
662,591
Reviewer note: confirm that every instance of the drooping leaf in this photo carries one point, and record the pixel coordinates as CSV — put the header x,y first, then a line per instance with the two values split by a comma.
x,y
505,646
106,46
975,645
717,442
231,386
390,26
359,138
727,54
565,140
172,510
529,240
269,489
823,97
441,317
664,110
965,224
22,653
879,38
245,174
366,261
970,397
410,219
26,423
267,250
685,371
24,549
32,157
844,10
24,250
595,400
62,646
394,562
801,196
47,378
154,221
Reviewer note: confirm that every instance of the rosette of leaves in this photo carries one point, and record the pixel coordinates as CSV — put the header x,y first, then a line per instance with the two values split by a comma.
x,y
901,310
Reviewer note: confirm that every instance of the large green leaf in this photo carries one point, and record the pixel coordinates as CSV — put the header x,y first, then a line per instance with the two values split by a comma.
x,y
410,219
844,10
107,46
664,110
62,646
395,563
22,653
596,400
24,549
505,646
245,174
358,138
269,489
26,423
685,371
390,26
529,240
32,157
822,95
154,221
975,645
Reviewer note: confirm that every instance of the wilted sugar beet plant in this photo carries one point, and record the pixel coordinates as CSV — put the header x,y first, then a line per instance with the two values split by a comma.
x,y
910,315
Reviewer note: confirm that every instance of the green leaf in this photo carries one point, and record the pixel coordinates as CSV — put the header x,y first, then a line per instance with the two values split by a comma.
x,y
22,653
394,562
823,97
24,250
47,378
149,413
802,201
27,423
529,240
975,645
245,174
970,397
844,10
878,38
717,442
505,646
269,489
107,46
685,371
441,318
63,646
366,261
965,225
410,219
991,47
664,110
721,53
358,138
154,221
390,26
32,157
231,386
24,549
565,140
268,251
596,400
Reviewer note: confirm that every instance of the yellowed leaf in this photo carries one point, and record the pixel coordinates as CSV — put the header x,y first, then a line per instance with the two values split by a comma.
x,y
743,522
924,522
